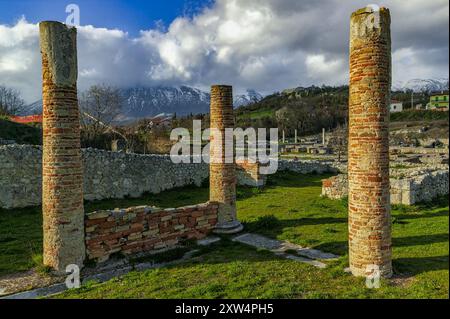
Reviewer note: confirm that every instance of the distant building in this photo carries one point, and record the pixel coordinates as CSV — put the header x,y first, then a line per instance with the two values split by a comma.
x,y
396,106
419,107
160,121
438,101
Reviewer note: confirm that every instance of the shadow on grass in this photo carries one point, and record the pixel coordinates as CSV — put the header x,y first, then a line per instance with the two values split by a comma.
x,y
291,179
419,240
418,265
280,224
342,246
418,216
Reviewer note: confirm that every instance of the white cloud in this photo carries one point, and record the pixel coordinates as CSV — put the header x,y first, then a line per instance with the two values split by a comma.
x,y
319,68
266,44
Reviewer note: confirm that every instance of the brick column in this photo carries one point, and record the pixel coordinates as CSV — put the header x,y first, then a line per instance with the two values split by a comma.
x,y
62,178
222,175
368,149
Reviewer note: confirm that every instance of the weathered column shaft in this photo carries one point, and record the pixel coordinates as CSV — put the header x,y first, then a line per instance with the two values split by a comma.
x,y
222,174
368,149
62,188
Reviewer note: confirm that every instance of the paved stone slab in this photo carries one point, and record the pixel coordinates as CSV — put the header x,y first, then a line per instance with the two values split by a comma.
x,y
312,262
280,247
208,241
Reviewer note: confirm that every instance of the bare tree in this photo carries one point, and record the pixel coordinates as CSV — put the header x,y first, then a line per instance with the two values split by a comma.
x,y
339,140
100,106
10,101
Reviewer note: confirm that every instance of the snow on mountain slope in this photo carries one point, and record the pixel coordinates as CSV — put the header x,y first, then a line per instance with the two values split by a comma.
x,y
139,102
422,85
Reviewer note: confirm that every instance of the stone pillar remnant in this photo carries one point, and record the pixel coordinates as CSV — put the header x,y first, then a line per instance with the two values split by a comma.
x,y
62,178
323,137
222,173
368,147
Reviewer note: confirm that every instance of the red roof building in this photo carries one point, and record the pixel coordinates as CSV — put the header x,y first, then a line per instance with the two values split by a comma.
x,y
26,119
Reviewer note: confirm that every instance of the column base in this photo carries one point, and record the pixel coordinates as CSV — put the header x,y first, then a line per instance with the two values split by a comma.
x,y
228,227
384,272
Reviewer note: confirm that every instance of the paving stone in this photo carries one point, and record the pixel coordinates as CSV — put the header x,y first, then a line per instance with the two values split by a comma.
x,y
307,255
208,241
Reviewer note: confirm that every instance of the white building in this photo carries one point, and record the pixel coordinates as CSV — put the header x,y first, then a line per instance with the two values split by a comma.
x,y
396,106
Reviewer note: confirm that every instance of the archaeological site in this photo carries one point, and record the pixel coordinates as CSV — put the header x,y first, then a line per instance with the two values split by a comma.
x,y
95,206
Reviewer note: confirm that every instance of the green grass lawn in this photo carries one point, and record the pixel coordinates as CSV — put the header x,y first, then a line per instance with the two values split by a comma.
x,y
288,208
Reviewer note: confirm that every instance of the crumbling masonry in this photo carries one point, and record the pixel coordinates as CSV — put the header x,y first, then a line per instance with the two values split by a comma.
x,y
62,189
222,173
368,153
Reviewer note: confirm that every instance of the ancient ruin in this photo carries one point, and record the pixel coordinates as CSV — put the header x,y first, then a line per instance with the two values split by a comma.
x,y
222,173
62,182
368,146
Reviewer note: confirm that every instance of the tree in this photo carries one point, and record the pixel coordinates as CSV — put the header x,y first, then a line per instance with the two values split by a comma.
x,y
10,101
100,106
339,140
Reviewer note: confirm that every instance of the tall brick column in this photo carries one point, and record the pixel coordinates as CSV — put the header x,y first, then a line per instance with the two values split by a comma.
x,y
368,149
62,183
222,175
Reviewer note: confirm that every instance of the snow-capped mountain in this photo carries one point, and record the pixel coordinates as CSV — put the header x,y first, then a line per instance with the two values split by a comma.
x,y
33,108
140,102
422,85
245,99
149,101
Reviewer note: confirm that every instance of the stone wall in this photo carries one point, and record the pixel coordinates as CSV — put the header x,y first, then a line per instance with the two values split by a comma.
x,y
311,166
143,228
116,174
106,174
412,187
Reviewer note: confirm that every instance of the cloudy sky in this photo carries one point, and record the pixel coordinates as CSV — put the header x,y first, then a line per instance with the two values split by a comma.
x,y
267,45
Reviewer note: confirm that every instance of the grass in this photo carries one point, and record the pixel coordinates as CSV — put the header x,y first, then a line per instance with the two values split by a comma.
x,y
288,208
419,115
258,114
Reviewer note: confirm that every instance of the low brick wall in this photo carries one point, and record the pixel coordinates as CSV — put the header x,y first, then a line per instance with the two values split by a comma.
x,y
248,174
144,228
335,187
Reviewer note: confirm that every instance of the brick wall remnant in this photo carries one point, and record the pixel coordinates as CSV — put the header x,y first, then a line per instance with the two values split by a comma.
x,y
143,228
62,182
222,175
368,149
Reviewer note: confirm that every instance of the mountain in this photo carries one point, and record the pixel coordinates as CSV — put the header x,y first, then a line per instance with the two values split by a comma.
x,y
149,101
142,102
33,108
422,85
245,99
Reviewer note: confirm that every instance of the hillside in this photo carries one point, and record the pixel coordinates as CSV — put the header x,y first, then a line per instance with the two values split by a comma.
x,y
142,102
21,133
310,109
306,109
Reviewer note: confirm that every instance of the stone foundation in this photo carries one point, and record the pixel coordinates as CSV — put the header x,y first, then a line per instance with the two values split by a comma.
x,y
140,229
414,187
